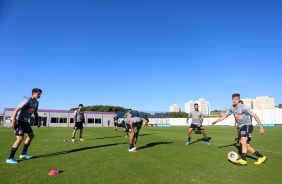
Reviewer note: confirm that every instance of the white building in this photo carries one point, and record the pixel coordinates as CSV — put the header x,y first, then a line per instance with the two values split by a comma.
x,y
189,106
263,102
175,108
248,102
204,106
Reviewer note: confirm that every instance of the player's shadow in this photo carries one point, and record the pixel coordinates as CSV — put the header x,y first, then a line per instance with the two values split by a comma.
x,y
75,150
239,150
153,144
109,137
200,139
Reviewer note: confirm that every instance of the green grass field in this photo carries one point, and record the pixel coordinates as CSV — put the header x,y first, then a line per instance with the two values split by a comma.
x,y
162,157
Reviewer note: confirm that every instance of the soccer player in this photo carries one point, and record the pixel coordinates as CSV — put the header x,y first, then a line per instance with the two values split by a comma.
x,y
132,123
241,113
78,121
21,125
238,129
116,122
128,114
197,121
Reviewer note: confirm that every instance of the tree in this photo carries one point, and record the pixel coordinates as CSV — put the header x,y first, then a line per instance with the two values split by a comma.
x,y
280,106
178,115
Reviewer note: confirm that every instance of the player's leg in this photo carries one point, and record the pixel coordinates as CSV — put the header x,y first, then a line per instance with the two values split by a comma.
x,y
80,134
73,133
27,142
261,158
189,135
19,132
238,135
131,141
11,159
243,142
205,135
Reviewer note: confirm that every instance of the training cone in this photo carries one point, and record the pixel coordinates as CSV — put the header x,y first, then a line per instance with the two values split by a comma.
x,y
53,172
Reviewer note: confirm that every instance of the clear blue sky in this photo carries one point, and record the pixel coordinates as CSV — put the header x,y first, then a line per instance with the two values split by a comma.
x,y
139,54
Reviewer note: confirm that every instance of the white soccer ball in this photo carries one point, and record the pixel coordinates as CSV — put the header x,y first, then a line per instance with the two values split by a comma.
x,y
232,156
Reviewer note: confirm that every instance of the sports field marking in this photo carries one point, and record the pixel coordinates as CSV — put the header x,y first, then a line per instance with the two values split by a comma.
x,y
258,150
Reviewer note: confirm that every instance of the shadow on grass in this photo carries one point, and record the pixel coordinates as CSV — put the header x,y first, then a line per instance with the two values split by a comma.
x,y
200,139
75,150
153,144
117,136
239,150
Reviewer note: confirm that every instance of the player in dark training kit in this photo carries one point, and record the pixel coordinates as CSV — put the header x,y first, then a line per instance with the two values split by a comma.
x,y
132,123
78,121
21,125
116,122
196,124
242,115
128,114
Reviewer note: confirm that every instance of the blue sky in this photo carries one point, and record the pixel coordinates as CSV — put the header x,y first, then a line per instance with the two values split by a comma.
x,y
139,54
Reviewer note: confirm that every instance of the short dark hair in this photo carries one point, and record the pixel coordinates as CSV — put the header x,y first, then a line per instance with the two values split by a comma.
x,y
130,109
146,119
36,90
241,101
235,95
195,104
80,105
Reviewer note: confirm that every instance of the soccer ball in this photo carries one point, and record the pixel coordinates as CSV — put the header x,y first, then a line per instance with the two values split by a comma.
x,y
232,156
65,140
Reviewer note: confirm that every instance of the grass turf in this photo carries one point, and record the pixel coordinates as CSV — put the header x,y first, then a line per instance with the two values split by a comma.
x,y
162,157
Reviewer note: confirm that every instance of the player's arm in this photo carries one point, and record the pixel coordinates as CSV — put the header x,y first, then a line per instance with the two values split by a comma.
x,y
125,116
202,120
37,120
261,129
219,119
12,125
74,119
187,120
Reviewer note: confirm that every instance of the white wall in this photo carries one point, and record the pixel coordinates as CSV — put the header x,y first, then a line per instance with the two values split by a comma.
x,y
267,116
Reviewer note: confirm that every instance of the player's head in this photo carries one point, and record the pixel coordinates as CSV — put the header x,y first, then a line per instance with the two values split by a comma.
x,y
235,98
36,93
196,106
130,110
80,106
145,121
241,102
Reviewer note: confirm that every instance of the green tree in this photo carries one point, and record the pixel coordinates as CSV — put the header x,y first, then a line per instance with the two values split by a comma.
x,y
178,115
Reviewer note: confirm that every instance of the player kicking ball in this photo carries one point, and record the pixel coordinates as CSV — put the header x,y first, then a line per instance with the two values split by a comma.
x,y
21,125
242,115
132,123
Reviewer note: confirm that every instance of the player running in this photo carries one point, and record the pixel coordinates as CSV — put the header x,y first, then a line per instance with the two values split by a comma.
x,y
242,115
238,129
116,122
21,125
197,121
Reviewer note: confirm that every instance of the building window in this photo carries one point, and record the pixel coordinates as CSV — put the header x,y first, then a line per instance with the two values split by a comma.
x,y
63,120
71,120
54,120
98,121
90,120
8,119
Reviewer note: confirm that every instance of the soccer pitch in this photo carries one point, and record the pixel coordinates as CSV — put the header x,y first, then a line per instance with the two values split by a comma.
x,y
162,157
